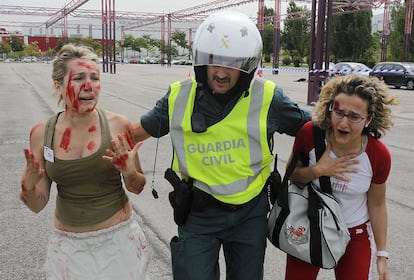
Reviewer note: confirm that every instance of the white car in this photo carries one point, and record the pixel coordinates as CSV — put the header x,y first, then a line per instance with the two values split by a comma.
x,y
29,59
331,69
26,59
344,68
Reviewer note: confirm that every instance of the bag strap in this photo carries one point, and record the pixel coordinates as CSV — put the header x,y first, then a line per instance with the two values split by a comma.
x,y
50,130
282,198
314,201
319,142
318,138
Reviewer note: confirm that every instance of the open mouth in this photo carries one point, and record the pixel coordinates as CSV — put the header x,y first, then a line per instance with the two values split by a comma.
x,y
343,132
90,97
86,98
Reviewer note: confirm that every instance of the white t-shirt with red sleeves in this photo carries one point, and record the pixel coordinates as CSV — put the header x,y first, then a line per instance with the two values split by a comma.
x,y
373,167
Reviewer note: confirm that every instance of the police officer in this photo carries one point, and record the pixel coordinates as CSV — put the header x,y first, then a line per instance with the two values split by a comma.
x,y
221,125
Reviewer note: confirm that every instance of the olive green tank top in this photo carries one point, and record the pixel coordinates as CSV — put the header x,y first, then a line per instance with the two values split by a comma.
x,y
89,189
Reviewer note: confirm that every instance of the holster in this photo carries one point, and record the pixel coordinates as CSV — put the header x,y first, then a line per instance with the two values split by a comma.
x,y
274,183
180,198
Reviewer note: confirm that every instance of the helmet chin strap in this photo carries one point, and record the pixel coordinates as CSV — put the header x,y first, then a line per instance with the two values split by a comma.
x,y
245,80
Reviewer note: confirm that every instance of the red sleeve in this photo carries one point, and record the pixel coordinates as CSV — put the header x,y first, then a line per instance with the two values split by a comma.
x,y
380,159
304,139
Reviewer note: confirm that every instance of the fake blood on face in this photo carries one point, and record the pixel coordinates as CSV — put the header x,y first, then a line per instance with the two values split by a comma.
x,y
88,66
70,92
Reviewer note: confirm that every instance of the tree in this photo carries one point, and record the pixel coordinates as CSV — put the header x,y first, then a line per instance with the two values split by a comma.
x,y
351,37
32,49
268,41
128,41
5,48
139,43
50,52
87,41
374,52
152,44
296,32
268,33
15,43
396,37
151,41
178,37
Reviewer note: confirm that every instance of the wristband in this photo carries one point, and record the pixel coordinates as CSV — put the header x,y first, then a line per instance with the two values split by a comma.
x,y
383,254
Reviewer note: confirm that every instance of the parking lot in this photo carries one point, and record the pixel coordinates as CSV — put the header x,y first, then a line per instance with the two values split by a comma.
x,y
26,97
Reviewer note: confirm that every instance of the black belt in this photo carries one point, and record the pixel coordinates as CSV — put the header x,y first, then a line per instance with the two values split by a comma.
x,y
203,200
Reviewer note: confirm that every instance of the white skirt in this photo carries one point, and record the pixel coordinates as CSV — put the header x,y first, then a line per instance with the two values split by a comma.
x,y
120,252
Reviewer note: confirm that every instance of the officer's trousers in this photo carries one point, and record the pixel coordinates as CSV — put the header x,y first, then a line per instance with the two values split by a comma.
x,y
241,233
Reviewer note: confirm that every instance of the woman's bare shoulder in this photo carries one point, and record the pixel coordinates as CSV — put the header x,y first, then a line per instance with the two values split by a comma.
x,y
38,130
118,122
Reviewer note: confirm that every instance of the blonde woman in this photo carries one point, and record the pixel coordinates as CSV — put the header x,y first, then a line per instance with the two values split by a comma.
x,y
85,151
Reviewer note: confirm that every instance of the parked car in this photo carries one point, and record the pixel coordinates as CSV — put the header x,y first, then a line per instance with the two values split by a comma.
x,y
396,74
331,70
133,60
29,59
142,60
344,68
152,60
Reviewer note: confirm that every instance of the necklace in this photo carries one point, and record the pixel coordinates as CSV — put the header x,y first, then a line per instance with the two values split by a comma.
x,y
357,148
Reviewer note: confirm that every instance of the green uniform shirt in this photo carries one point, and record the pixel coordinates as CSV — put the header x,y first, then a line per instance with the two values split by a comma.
x,y
285,116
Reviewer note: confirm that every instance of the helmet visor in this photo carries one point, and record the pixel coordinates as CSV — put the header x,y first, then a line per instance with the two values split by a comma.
x,y
244,64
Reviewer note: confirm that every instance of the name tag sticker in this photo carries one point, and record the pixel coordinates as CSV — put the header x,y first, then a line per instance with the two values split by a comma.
x,y
48,154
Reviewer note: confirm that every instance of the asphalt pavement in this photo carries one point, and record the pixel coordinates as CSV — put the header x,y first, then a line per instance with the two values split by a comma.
x,y
26,97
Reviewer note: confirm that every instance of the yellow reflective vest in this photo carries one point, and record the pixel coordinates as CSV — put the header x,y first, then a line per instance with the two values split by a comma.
x,y
231,159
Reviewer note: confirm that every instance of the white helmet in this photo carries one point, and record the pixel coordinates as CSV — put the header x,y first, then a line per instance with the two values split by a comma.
x,y
228,39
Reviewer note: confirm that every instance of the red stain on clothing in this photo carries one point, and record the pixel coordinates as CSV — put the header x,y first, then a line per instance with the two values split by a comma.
x,y
64,143
92,128
91,146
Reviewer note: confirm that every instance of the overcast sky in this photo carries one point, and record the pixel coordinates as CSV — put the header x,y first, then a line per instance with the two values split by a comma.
x,y
157,6
153,6
150,6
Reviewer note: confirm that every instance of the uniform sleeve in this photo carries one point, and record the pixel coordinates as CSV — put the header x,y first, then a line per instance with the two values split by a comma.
x,y
156,121
285,116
